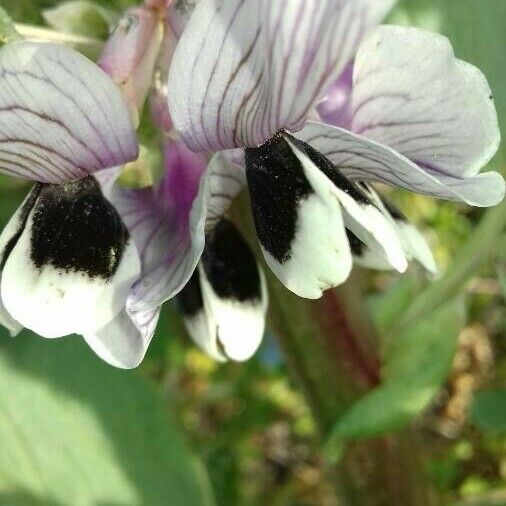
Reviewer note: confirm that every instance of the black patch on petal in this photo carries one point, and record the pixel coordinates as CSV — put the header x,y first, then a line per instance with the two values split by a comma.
x,y
230,265
277,185
356,245
331,171
189,299
394,212
25,211
75,228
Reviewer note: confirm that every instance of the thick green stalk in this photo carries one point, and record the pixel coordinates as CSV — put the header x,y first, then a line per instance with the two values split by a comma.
x,y
331,351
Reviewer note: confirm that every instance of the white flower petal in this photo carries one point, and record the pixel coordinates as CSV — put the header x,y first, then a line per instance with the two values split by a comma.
x,y
360,158
61,116
8,239
123,342
244,69
224,304
225,180
411,93
412,240
72,267
298,218
363,218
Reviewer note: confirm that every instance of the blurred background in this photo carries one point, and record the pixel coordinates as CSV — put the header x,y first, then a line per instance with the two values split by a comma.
x,y
416,411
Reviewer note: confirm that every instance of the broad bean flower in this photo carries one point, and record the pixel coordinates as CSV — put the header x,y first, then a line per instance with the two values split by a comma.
x,y
68,262
253,74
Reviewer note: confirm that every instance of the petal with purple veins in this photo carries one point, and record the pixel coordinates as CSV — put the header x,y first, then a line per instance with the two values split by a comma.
x,y
411,93
61,116
168,222
123,342
244,69
360,158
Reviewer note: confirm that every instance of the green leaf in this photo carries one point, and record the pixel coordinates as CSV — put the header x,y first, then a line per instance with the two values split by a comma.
x,y
79,17
488,411
416,364
7,30
76,431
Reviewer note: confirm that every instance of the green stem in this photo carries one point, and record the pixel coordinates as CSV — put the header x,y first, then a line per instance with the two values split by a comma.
x,y
331,350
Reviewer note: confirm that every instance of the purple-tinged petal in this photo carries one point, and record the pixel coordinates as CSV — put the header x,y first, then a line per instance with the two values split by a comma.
x,y
167,225
123,342
336,106
61,116
130,54
411,93
244,69
360,158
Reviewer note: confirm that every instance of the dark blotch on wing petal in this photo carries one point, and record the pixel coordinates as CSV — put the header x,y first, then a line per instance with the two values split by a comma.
x,y
76,229
394,212
189,299
356,245
277,185
25,211
230,265
330,170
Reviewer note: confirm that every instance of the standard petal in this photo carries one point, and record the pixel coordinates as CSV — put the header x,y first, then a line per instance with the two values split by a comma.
x,y
224,304
335,107
73,264
411,93
123,342
360,158
298,219
244,69
61,116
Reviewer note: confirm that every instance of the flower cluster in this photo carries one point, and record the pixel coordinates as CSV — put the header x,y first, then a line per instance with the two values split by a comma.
x,y
306,103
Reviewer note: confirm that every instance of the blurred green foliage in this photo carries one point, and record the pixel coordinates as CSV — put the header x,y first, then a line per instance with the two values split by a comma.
x,y
71,426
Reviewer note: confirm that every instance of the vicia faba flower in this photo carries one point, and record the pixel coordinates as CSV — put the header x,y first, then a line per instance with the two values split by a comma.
x,y
250,74
68,261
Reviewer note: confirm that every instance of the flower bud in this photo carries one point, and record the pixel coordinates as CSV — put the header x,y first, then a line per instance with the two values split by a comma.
x,y
131,52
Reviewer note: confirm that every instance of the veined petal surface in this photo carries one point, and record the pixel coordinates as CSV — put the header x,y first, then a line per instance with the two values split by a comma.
x,y
244,69
123,342
167,224
61,116
360,158
411,93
